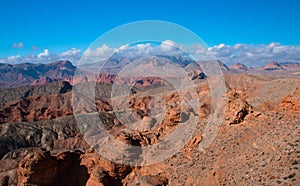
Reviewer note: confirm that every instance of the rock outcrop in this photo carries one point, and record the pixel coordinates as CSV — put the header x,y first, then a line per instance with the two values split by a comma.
x,y
41,168
237,109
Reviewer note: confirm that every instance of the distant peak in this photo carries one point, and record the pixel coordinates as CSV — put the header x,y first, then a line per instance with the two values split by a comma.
x,y
239,66
64,62
273,63
273,66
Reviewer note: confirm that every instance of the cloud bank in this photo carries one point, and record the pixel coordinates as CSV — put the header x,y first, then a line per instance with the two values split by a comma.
x,y
45,56
250,55
256,55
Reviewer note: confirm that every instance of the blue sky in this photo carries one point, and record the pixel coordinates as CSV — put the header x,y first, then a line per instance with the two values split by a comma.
x,y
59,25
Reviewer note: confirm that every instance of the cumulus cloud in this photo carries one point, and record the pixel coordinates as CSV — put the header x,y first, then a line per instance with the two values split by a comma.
x,y
46,56
135,50
168,45
104,50
18,45
14,58
43,54
124,47
97,55
251,55
256,55
72,52
73,55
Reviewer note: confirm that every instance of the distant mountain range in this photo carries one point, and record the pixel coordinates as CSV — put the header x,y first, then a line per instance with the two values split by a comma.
x,y
272,66
36,74
27,73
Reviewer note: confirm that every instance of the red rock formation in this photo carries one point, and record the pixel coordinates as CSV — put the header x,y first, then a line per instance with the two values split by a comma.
x,y
291,102
75,168
41,168
237,109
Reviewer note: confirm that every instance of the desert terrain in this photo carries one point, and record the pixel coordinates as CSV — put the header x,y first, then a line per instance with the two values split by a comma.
x,y
258,142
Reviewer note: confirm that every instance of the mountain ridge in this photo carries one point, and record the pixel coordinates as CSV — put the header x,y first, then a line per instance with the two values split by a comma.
x,y
16,75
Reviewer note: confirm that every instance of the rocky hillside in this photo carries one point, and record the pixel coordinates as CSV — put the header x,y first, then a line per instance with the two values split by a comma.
x,y
257,144
26,73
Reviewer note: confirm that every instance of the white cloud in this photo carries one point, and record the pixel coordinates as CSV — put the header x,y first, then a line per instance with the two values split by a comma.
x,y
104,50
237,46
71,53
273,44
43,54
257,55
46,56
219,46
99,54
124,47
169,42
168,45
139,49
18,45
251,55
13,58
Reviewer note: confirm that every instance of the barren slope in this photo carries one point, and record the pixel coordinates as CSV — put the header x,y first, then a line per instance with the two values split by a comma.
x,y
257,144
